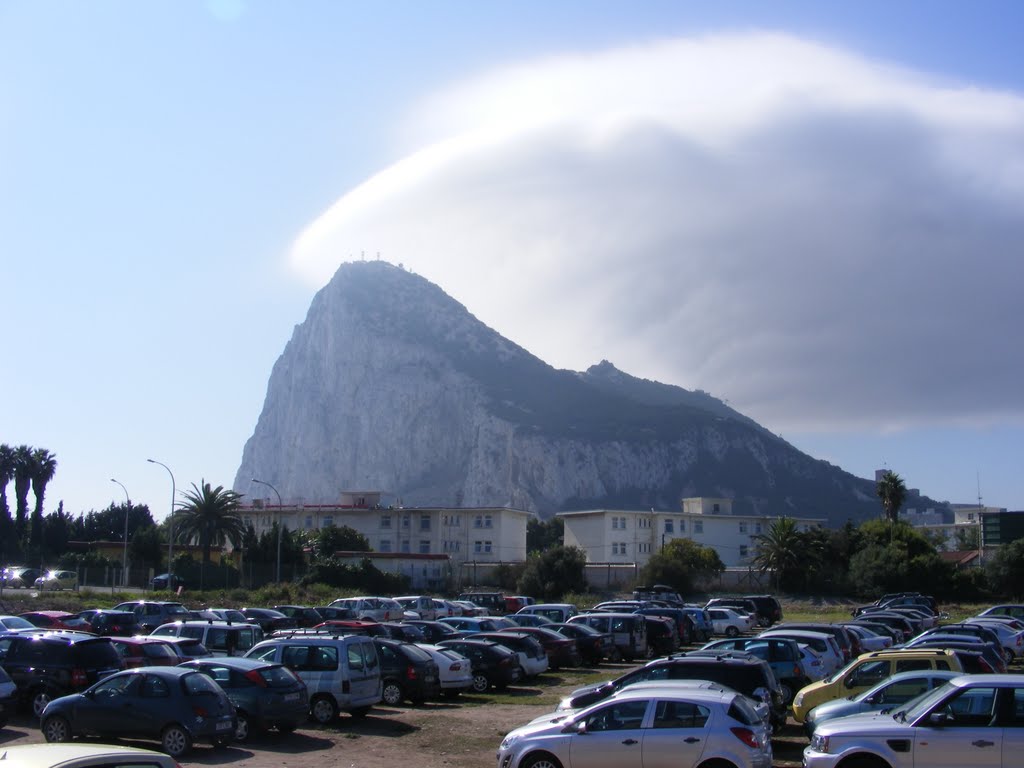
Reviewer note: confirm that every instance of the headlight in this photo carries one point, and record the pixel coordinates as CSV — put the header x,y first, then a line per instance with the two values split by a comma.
x,y
819,744
509,740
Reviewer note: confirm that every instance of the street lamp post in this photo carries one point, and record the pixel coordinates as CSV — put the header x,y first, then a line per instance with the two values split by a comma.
x,y
280,525
128,509
170,526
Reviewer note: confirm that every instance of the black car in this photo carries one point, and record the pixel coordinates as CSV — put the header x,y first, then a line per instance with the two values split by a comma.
x,y
167,581
493,664
304,615
269,620
331,612
662,637
435,631
265,695
109,622
173,704
530,650
46,667
406,672
152,613
403,630
593,646
769,609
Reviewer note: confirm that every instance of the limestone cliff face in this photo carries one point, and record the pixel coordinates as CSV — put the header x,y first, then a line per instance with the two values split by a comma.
x,y
391,385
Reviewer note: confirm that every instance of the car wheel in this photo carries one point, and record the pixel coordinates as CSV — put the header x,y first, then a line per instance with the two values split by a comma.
x,y
787,694
175,740
392,694
731,631
540,760
57,729
39,701
1008,655
242,728
323,709
451,693
480,683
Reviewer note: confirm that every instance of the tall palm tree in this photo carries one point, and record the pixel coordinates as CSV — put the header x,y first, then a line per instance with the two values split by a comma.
x,y
6,475
209,517
780,549
22,483
44,466
892,491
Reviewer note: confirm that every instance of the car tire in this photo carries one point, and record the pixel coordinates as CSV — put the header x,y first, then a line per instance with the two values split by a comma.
x,y
175,740
243,728
731,631
451,694
480,683
40,698
359,712
323,709
540,760
864,761
57,729
787,693
392,694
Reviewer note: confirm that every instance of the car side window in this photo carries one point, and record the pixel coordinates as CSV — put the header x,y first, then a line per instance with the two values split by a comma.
x,y
267,654
903,691
355,656
155,688
1016,714
217,639
115,686
680,714
912,665
973,707
295,656
324,658
868,673
617,717
245,639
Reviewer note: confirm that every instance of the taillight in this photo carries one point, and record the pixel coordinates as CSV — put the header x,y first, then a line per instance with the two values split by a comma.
x,y
254,676
505,662
747,736
796,670
200,711
455,666
78,676
410,672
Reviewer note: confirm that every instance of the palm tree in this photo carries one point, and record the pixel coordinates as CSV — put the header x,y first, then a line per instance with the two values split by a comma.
x,y
780,549
44,466
209,517
22,483
892,491
6,475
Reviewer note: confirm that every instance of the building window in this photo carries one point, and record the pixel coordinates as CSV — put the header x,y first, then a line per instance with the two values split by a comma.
x,y
405,521
445,523
385,545
743,550
682,525
715,508
424,547
970,517
615,523
743,526
669,527
478,521
405,545
757,527
424,522
482,547
487,521
698,526
327,522
309,521
385,521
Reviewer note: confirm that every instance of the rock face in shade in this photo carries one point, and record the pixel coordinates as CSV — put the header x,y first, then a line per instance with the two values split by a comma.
x,y
389,384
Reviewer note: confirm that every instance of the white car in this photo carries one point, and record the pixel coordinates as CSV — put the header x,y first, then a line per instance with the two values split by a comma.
x,y
823,643
58,580
445,608
726,621
83,756
372,608
1010,639
645,729
455,671
811,662
869,641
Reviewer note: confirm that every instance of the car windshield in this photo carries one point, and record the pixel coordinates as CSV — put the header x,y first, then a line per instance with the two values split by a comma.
x,y
16,622
917,707
175,610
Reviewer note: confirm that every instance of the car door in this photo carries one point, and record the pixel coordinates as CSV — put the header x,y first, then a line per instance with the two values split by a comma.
x,y
677,736
363,670
611,736
112,706
967,733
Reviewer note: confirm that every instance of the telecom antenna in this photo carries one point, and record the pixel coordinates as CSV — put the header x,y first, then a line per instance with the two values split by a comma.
x,y
981,526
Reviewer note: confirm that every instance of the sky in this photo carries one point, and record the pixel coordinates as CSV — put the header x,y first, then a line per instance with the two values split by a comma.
x,y
813,211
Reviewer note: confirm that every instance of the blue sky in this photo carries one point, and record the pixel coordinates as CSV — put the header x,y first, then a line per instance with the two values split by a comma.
x,y
178,179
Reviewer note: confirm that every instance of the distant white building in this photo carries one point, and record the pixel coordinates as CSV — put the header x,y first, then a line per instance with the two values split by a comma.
x,y
623,537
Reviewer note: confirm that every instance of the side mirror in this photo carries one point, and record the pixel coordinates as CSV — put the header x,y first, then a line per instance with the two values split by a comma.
x,y
581,727
850,682
939,719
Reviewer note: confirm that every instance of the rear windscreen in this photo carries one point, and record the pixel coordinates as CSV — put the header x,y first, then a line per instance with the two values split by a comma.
x,y
278,677
159,651
96,653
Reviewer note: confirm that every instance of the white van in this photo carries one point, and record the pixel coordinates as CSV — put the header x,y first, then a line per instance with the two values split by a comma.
x,y
342,672
221,638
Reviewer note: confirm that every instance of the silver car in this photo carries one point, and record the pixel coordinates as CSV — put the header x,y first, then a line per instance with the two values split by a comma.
x,y
644,729
973,720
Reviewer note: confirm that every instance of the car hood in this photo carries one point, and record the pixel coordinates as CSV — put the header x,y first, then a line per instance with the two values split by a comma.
x,y
864,724
550,724
839,708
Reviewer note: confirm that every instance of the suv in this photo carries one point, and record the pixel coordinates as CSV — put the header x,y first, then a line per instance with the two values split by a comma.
x,y
407,672
46,667
221,638
769,609
868,670
342,673
492,602
152,613
103,622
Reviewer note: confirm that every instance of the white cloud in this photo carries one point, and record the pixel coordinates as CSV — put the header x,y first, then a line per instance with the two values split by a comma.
x,y
823,239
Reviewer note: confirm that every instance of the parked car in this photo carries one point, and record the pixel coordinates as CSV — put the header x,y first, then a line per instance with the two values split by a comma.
x,y
57,620
227,614
1013,610
782,654
728,622
221,638
662,637
167,581
468,608
265,695
8,697
963,629
108,622
628,631
422,605
304,615
993,654
645,729
148,703
435,631
269,620
515,603
469,625
1011,639
492,602
404,631
741,605
659,592
869,669
529,619
20,576
342,673
85,756
444,608
557,612
146,651
47,666
594,646
16,624
407,672
843,637
561,650
869,639
455,671
372,608
972,720
702,622
823,644
769,609
533,658
350,627
331,613
494,665
52,580
152,613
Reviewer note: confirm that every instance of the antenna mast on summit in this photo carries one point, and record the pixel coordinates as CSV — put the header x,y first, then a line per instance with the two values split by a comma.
x,y
981,524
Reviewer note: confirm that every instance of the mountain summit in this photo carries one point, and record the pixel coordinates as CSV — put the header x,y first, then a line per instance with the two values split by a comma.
x,y
389,384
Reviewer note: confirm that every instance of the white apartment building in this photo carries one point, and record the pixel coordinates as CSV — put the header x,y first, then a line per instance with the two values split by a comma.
x,y
484,535
630,537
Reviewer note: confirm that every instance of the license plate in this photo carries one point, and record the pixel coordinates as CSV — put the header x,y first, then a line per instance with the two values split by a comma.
x,y
224,726
291,697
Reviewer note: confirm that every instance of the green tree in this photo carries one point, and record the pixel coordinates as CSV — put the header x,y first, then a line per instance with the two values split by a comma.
x,y
108,524
967,538
146,548
337,538
56,530
682,563
892,491
542,535
781,549
7,539
210,517
554,573
22,484
1005,570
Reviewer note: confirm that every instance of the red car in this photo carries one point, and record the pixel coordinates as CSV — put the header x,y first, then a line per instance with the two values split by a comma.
x,y
146,652
562,651
57,620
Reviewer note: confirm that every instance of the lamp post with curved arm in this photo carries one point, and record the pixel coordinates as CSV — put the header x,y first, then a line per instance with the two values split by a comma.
x,y
127,511
170,526
280,525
